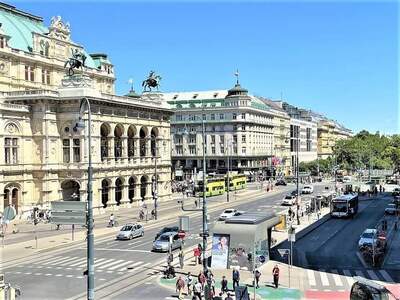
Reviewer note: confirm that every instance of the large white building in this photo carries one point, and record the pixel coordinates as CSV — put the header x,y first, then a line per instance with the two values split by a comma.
x,y
45,156
241,130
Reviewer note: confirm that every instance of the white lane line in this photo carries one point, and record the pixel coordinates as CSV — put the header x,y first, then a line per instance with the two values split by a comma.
x,y
130,266
38,274
70,276
47,274
59,275
120,265
372,275
120,250
311,278
386,276
349,277
336,278
78,262
324,277
105,262
28,273
51,261
67,261
111,264
97,261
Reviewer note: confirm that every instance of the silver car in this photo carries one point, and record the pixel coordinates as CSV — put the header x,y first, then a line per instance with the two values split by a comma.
x,y
162,242
129,231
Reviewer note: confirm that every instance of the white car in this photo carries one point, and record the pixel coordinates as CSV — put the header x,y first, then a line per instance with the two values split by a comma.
x,y
307,189
367,238
227,213
289,200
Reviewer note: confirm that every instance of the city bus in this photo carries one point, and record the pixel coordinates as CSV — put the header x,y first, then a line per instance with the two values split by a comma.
x,y
214,187
236,182
344,206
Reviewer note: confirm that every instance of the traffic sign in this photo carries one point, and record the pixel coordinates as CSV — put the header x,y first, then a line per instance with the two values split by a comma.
x,y
9,213
283,252
68,212
261,259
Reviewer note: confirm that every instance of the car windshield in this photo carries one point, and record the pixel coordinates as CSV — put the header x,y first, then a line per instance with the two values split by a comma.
x,y
367,235
164,238
169,229
288,197
126,228
391,206
228,211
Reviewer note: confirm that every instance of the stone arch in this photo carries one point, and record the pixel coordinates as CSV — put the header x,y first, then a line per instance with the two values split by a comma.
x,y
70,190
105,130
105,191
144,181
12,196
131,140
118,133
119,188
143,133
12,128
132,182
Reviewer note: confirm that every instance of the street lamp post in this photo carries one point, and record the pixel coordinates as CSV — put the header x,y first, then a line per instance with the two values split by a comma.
x,y
89,220
296,131
155,184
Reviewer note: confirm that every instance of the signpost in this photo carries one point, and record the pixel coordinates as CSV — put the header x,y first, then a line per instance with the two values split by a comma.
x,y
8,215
68,213
283,253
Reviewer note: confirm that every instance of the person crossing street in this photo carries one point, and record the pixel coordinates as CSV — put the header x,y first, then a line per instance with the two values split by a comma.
x,y
275,274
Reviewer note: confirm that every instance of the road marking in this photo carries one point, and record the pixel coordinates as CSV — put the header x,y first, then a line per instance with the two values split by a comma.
x,y
386,276
324,277
111,263
69,276
348,277
38,274
311,277
129,267
78,262
336,278
120,265
104,262
47,274
59,275
372,275
102,279
66,261
119,250
28,273
55,259
360,273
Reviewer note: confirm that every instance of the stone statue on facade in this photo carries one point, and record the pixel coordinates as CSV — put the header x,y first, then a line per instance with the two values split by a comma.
x,y
75,62
152,81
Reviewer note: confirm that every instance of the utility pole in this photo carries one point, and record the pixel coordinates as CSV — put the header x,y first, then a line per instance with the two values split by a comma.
x,y
228,180
155,187
297,171
205,231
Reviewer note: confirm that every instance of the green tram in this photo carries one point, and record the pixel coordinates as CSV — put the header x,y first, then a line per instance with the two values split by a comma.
x,y
218,185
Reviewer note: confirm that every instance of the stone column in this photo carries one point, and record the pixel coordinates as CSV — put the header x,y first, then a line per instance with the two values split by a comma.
x,y
148,146
137,147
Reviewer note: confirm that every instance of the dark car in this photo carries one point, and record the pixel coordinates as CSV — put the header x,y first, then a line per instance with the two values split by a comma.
x,y
364,289
396,192
294,193
167,229
280,182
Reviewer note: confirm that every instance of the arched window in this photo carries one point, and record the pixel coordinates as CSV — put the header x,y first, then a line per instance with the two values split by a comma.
x,y
70,190
142,136
105,188
118,191
118,131
104,132
131,189
131,141
153,144
143,187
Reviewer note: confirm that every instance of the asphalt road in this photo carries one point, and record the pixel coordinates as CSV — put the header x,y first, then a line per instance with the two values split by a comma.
x,y
123,268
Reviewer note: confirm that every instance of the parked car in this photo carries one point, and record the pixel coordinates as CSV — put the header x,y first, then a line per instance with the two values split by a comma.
x,y
129,231
162,242
390,209
367,238
167,229
293,193
366,289
390,186
280,182
289,200
227,213
307,189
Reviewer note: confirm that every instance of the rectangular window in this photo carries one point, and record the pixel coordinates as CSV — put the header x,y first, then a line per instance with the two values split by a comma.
x,y
178,149
213,139
221,139
235,139
212,116
204,117
234,116
222,149
234,127
221,116
45,76
192,149
213,150
243,139
308,133
66,152
192,139
308,145
243,150
11,150
178,117
77,150
243,116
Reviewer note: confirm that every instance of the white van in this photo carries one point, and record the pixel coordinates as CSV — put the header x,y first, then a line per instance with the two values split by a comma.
x,y
346,179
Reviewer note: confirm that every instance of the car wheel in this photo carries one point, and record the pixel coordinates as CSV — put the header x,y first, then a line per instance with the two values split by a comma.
x,y
142,233
131,236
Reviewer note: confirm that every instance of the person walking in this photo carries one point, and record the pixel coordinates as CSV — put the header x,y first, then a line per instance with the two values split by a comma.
x,y
235,278
180,285
189,283
197,290
228,297
181,259
202,279
200,252
275,274
224,285
257,275
196,254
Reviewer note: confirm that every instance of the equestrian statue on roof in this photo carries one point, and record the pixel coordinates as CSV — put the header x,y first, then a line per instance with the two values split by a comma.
x,y
75,62
152,81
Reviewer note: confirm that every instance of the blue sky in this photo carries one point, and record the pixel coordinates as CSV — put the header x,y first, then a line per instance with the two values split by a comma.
x,y
338,58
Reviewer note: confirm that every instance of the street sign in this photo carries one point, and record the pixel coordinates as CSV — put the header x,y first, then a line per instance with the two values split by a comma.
x,y
9,213
283,252
68,212
291,234
206,234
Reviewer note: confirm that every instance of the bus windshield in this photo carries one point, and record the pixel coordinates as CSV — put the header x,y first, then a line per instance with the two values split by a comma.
x,y
339,206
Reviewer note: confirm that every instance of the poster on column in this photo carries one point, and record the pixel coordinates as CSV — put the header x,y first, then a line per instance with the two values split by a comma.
x,y
219,251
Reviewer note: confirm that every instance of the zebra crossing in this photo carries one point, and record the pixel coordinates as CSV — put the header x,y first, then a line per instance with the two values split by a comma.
x,y
342,280
109,265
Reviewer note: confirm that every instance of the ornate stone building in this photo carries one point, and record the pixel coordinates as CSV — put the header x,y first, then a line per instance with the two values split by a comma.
x,y
45,155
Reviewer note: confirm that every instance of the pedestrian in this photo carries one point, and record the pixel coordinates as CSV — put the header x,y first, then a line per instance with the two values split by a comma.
x,y
257,275
200,252
181,258
196,254
275,274
224,285
180,285
202,279
235,278
197,289
228,297
380,189
189,283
